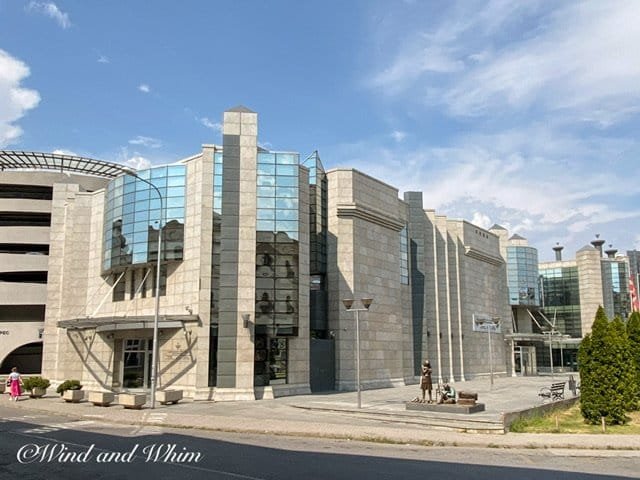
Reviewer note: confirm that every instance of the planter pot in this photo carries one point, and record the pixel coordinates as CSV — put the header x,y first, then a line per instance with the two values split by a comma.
x,y
3,387
101,399
37,392
132,400
73,396
169,396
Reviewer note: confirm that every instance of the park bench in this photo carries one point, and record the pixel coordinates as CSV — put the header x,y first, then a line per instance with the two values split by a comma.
x,y
553,393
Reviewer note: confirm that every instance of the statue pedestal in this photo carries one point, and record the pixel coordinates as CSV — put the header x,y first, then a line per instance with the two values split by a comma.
x,y
445,407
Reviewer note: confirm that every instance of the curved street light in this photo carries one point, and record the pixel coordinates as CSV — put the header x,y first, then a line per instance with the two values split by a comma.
x,y
156,315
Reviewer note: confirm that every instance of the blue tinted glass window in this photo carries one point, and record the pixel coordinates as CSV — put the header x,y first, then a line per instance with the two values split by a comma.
x,y
159,172
267,225
290,170
266,158
175,202
264,214
287,181
142,195
266,169
284,225
291,203
287,214
176,170
265,181
174,213
175,182
287,158
286,192
266,191
266,202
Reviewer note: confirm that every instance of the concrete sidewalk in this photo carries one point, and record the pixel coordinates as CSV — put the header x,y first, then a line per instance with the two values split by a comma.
x,y
383,417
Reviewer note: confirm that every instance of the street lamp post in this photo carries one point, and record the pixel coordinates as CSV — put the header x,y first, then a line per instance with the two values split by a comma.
x,y
348,303
156,315
550,332
489,324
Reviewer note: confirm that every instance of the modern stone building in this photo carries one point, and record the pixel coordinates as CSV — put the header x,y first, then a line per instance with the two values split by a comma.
x,y
554,303
26,189
258,251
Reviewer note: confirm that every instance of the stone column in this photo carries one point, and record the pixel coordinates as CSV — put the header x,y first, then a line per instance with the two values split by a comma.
x,y
238,255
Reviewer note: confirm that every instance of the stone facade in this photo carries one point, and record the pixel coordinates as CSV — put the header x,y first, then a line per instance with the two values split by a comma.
x,y
365,217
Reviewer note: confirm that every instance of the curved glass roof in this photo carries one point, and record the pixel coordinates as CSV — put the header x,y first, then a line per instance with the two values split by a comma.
x,y
17,160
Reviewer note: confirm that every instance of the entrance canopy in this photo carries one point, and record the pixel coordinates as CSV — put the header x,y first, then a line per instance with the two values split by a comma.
x,y
540,337
110,324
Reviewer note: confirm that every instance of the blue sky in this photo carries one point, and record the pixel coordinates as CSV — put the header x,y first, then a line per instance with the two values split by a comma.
x,y
525,114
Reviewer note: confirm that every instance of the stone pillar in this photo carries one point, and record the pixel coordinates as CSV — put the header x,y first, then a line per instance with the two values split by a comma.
x,y
238,255
590,285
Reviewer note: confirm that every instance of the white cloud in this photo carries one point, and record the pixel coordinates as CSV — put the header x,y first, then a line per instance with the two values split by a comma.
x,y
149,142
481,220
103,59
63,151
144,88
398,135
15,100
534,181
215,126
138,162
509,56
51,10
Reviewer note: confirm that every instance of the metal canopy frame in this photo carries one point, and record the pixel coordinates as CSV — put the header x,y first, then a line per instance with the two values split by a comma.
x,y
20,160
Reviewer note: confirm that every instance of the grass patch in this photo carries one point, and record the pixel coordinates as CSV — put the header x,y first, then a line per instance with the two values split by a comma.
x,y
569,420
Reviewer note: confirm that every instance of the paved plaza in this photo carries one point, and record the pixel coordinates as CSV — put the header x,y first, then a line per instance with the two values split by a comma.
x,y
383,417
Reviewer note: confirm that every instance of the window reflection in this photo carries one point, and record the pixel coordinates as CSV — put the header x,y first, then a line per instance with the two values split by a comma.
x,y
132,214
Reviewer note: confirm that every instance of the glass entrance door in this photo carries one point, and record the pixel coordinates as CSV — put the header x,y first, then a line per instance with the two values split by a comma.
x,y
136,371
525,360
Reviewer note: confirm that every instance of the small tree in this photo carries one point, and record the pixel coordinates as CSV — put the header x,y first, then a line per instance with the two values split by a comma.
x,y
620,361
633,332
594,388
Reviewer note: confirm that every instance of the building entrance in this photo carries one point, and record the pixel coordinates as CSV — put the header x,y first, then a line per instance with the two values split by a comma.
x,y
525,361
137,363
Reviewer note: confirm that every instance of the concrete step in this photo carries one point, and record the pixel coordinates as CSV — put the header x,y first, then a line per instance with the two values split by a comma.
x,y
440,421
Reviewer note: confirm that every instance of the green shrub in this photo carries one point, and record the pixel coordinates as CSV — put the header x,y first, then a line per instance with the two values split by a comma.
x,y
35,382
633,332
68,385
607,372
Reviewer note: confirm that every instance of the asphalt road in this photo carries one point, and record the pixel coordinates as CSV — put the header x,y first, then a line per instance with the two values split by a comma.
x,y
43,446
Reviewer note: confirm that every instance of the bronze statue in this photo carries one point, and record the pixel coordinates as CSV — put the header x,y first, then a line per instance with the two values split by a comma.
x,y
448,394
425,380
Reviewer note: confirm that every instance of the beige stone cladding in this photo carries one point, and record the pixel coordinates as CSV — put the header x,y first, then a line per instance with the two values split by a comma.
x,y
78,290
483,291
238,253
365,218
588,261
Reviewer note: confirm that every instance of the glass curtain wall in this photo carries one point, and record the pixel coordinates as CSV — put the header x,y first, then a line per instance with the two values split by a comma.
x,y
615,285
561,299
132,218
318,228
215,267
522,276
277,249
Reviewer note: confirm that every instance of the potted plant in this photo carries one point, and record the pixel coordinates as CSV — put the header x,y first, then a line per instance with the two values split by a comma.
x,y
71,391
36,385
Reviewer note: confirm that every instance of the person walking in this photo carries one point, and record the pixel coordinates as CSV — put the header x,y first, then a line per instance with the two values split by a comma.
x,y
15,384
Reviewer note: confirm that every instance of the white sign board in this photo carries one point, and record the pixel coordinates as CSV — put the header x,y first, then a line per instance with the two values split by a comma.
x,y
484,323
